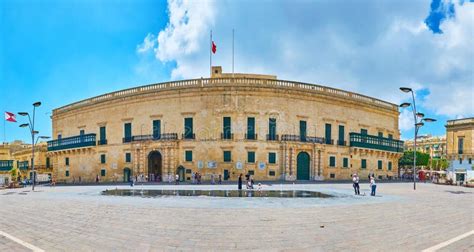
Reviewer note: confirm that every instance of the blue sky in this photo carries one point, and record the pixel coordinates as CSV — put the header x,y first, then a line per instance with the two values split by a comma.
x,y
60,52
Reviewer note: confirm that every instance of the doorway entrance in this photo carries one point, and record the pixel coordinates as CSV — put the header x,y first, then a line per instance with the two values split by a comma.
x,y
302,166
127,175
154,166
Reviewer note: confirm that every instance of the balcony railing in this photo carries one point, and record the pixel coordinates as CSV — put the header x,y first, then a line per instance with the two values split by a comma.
x,y
188,136
341,142
298,138
72,142
227,136
6,165
271,137
102,142
375,142
251,136
160,137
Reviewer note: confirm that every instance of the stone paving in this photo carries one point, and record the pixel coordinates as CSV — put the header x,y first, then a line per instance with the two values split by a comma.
x,y
78,218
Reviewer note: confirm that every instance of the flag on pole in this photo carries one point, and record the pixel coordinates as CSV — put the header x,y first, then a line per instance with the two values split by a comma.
x,y
10,117
214,47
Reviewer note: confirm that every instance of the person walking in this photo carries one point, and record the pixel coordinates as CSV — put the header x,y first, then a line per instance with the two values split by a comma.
x,y
220,180
355,184
212,179
240,182
177,179
373,186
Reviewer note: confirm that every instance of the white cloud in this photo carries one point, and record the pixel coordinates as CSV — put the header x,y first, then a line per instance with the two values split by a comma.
x,y
148,44
372,49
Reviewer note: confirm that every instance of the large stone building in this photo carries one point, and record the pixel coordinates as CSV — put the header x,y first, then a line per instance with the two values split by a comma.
x,y
226,125
460,148
435,146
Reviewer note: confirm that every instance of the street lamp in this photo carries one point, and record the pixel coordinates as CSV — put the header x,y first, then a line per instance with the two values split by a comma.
x,y
420,120
33,132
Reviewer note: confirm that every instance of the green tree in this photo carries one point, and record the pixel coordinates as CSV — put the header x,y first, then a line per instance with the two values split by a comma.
x,y
422,159
14,174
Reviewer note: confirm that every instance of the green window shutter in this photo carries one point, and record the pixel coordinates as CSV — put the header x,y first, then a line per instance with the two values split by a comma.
x,y
380,134
156,129
332,161
251,157
390,136
303,133
389,166
188,128
379,164
48,162
188,156
345,162
102,158
272,129
227,128
102,172
67,161
341,135
227,156
127,134
272,158
363,163
251,128
67,173
327,134
102,133
81,132
128,157
363,131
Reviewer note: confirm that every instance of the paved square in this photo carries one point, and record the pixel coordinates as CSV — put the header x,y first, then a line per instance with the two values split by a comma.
x,y
80,219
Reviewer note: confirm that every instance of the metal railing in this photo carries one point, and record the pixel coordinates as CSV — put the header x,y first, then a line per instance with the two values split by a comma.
x,y
160,137
251,136
102,142
273,137
72,142
298,138
227,136
188,136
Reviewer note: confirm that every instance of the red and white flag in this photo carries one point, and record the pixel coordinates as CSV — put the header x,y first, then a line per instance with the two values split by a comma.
x,y
10,117
214,47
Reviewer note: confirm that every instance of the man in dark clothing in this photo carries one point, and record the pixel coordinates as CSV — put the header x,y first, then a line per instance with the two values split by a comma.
x,y
240,182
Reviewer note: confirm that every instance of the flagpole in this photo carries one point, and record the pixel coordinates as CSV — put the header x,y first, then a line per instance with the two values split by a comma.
x,y
4,129
210,57
232,52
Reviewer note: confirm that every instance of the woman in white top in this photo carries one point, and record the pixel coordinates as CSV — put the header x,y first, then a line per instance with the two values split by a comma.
x,y
373,186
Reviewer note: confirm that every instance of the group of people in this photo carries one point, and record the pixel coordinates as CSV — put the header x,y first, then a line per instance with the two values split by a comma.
x,y
355,184
249,182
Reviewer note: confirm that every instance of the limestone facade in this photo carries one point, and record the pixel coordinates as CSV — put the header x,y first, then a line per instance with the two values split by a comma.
x,y
225,126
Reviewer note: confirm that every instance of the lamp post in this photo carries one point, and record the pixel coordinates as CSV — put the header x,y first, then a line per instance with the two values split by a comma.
x,y
419,119
31,126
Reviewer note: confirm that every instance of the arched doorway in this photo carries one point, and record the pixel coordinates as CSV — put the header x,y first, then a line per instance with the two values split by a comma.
x,y
154,166
127,175
302,166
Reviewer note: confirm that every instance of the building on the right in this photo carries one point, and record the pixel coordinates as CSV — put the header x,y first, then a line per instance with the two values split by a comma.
x,y
460,149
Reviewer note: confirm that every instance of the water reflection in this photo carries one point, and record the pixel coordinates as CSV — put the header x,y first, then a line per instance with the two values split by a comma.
x,y
216,193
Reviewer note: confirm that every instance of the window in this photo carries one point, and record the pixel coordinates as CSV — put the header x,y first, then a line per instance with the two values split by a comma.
x,y
48,162
380,134
128,157
390,136
102,158
379,164
188,128
251,128
272,129
102,172
66,161
188,156
67,173
363,131
340,141
345,162
303,131
470,160
332,175
59,136
460,145
251,157
81,132
332,161
271,173
389,165
251,172
102,136
127,132
327,134
227,128
227,156
156,129
272,158
363,164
